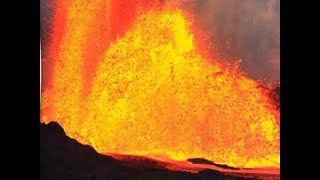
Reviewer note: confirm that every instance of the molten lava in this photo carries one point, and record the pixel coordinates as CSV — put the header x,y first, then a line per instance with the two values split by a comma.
x,y
129,79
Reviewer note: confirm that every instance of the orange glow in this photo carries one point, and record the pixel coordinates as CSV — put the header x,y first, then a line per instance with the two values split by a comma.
x,y
131,79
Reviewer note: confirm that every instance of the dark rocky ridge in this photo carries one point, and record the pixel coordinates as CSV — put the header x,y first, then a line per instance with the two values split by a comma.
x,y
64,158
204,161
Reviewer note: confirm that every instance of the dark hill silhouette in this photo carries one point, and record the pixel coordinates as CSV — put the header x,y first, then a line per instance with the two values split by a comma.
x,y
64,158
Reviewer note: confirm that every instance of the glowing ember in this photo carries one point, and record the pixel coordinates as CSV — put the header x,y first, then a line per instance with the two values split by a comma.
x,y
151,90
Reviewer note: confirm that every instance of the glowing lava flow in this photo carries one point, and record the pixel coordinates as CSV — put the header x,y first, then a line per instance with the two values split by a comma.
x,y
151,91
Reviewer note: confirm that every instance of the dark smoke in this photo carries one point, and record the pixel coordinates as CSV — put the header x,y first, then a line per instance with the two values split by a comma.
x,y
243,29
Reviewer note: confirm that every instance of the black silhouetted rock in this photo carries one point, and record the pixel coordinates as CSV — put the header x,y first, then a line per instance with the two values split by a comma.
x,y
204,161
64,158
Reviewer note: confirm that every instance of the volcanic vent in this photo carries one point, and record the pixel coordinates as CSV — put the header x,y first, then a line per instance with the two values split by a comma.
x,y
133,77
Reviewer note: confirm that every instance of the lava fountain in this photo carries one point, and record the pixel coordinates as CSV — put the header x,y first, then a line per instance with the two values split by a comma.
x,y
131,77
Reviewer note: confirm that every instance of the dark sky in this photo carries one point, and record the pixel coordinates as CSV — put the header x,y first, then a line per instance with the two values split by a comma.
x,y
244,29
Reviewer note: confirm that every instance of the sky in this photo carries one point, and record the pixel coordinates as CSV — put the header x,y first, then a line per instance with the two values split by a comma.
x,y
243,29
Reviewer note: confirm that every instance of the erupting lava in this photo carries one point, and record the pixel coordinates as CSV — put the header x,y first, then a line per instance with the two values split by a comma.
x,y
128,78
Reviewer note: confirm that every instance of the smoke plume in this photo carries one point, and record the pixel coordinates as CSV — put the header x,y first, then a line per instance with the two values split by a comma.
x,y
248,30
